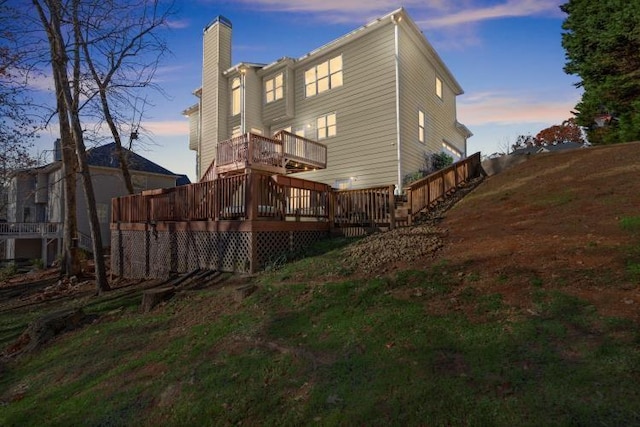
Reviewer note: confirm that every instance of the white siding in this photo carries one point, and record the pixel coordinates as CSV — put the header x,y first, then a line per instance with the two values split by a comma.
x,y
194,130
418,71
364,148
215,95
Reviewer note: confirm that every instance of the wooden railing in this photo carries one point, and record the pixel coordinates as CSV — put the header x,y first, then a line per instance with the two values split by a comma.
x,y
257,195
427,191
284,150
303,150
365,207
27,229
247,196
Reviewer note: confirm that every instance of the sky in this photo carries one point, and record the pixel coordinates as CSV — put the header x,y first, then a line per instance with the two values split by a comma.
x,y
506,55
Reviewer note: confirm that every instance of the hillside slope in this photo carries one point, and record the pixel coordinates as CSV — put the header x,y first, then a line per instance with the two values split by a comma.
x,y
564,220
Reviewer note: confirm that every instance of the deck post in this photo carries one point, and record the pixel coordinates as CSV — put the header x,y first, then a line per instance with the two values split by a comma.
x,y
251,195
332,209
392,207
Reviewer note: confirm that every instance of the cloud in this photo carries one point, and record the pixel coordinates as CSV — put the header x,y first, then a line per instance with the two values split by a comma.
x,y
508,9
167,128
497,108
178,24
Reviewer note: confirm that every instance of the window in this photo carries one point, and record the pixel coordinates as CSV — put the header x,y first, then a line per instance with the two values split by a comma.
x,y
342,184
103,212
324,76
451,149
273,88
326,126
139,183
439,87
235,96
26,214
421,126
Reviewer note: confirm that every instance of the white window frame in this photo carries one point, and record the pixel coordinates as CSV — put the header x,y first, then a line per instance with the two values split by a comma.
x,y
327,126
446,146
274,88
236,96
343,184
438,87
422,130
324,76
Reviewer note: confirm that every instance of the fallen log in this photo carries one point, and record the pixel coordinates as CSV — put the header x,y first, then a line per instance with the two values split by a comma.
x,y
153,297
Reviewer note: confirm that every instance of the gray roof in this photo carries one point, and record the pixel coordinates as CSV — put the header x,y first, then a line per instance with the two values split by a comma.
x,y
105,156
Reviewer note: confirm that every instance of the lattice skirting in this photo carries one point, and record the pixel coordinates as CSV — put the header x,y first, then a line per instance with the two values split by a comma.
x,y
144,254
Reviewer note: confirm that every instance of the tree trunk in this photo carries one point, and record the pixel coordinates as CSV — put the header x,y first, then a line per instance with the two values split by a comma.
x,y
70,263
122,157
60,62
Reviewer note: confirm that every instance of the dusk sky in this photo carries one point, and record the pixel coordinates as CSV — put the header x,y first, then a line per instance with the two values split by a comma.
x,y
506,55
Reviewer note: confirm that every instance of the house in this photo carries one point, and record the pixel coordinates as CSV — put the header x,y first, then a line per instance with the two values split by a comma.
x,y
378,98
35,209
550,148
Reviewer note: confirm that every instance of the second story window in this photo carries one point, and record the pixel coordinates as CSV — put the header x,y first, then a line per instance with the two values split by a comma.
x,y
421,126
326,126
235,96
273,88
324,76
439,87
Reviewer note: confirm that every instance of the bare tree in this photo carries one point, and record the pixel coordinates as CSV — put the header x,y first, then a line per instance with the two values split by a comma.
x,y
53,14
17,128
122,51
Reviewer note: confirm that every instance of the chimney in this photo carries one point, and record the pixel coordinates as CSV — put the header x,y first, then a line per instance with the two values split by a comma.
x,y
214,107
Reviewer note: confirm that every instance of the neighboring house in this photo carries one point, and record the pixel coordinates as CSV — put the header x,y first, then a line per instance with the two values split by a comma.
x,y
537,149
379,98
35,210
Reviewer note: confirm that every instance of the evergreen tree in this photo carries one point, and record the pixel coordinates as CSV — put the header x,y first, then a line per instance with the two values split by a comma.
x,y
602,44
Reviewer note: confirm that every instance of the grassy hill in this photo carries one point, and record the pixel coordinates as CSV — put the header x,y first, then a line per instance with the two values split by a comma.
x,y
525,312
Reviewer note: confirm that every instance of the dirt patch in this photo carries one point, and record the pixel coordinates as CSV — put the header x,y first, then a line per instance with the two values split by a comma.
x,y
553,223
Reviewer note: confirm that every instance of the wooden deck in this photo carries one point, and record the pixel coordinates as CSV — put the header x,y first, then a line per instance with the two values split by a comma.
x,y
282,154
241,221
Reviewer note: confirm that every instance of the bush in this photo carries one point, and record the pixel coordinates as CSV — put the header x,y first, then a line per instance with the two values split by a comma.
x,y
433,162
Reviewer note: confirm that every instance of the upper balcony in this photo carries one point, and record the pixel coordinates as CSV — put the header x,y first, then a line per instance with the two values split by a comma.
x,y
284,153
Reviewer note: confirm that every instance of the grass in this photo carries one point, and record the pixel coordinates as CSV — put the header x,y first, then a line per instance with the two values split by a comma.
x,y
317,344
344,352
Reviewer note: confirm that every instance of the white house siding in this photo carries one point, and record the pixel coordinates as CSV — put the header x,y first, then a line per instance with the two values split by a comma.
x,y
214,104
364,148
418,72
253,101
108,183
277,112
55,204
194,130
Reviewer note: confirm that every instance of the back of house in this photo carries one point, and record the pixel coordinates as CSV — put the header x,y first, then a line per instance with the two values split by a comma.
x,y
379,98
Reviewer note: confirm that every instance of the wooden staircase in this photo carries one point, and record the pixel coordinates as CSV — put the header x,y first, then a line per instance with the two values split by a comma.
x,y
422,195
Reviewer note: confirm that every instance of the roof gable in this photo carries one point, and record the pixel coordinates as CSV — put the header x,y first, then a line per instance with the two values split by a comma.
x,y
105,156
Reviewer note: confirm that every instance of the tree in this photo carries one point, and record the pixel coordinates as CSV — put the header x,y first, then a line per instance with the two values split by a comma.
x,y
568,131
53,14
121,50
602,44
17,128
524,141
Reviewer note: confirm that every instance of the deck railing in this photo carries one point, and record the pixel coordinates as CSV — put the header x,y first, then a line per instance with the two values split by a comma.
x,y
247,196
301,150
26,229
284,150
427,191
257,195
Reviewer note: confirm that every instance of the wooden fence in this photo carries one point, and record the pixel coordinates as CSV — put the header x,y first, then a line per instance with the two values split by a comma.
x,y
431,189
259,196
